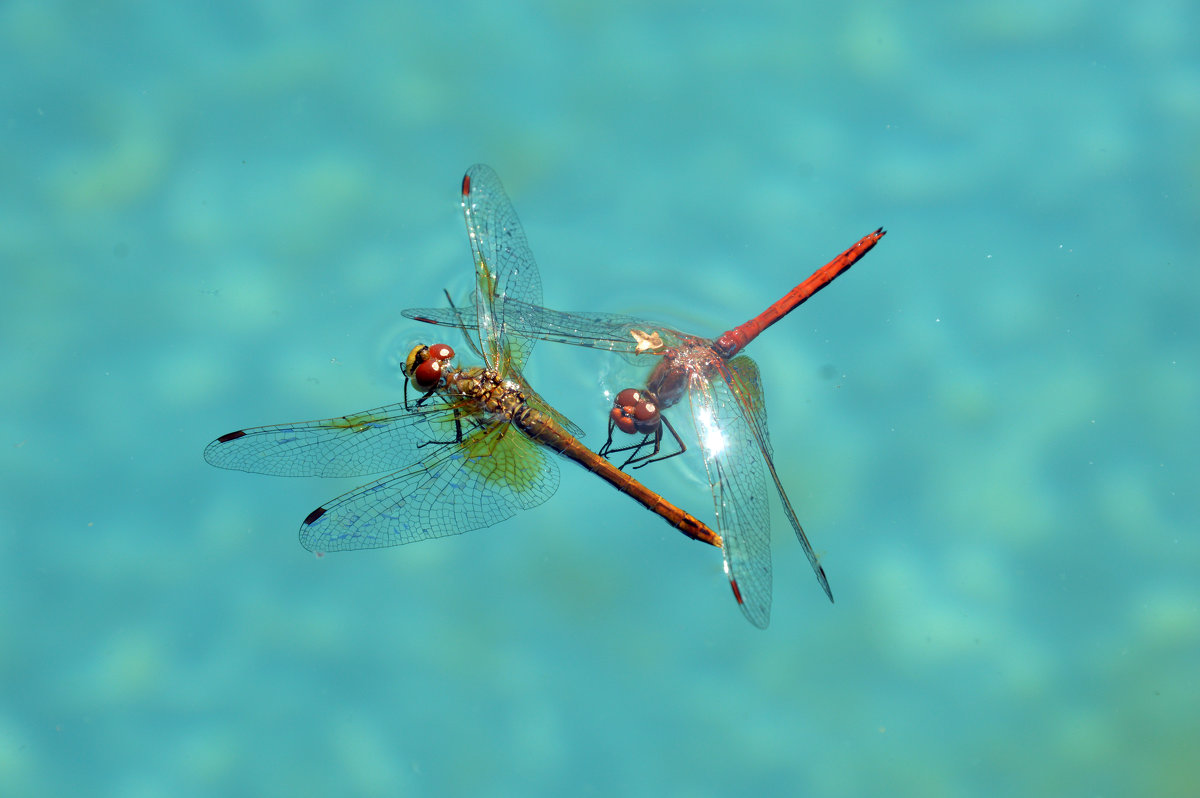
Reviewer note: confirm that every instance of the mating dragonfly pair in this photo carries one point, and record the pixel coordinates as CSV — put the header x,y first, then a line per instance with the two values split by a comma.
x,y
474,445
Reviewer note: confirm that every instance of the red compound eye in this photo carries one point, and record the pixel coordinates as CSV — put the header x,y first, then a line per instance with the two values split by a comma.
x,y
622,420
645,416
425,364
635,411
645,411
441,352
628,397
427,375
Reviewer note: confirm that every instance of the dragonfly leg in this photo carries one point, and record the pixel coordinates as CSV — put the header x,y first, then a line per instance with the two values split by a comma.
x,y
608,447
424,398
458,435
637,459
604,450
654,457
640,459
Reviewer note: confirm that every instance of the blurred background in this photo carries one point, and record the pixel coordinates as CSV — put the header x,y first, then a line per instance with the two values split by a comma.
x,y
211,217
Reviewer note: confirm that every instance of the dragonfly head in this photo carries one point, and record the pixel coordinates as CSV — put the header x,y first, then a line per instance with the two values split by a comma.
x,y
635,412
424,365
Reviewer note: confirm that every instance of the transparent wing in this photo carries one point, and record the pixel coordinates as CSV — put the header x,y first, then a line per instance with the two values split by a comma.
x,y
741,377
739,495
504,268
371,442
443,317
611,332
495,472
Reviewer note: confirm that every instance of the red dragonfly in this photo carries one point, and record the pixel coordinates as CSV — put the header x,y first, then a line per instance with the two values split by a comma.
x,y
473,449
728,410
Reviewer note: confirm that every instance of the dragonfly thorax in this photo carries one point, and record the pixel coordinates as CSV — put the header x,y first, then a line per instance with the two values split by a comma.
x,y
491,393
669,380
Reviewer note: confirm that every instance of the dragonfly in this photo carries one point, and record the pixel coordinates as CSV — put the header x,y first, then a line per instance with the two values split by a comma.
x,y
475,445
728,409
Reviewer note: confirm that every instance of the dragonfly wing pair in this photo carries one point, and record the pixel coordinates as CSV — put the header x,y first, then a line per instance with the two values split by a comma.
x,y
739,489
506,275
435,489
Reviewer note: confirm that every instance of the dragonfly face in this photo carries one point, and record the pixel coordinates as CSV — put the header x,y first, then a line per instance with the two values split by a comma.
x,y
424,366
635,412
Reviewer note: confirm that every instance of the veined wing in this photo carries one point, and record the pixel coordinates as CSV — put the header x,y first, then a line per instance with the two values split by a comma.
x,y
739,495
371,442
611,332
482,481
504,268
741,377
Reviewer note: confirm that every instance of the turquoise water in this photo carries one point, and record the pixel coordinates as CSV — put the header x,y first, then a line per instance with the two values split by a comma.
x,y
210,219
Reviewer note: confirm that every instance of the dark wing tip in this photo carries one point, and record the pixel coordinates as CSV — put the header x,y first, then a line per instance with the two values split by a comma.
x,y
824,583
